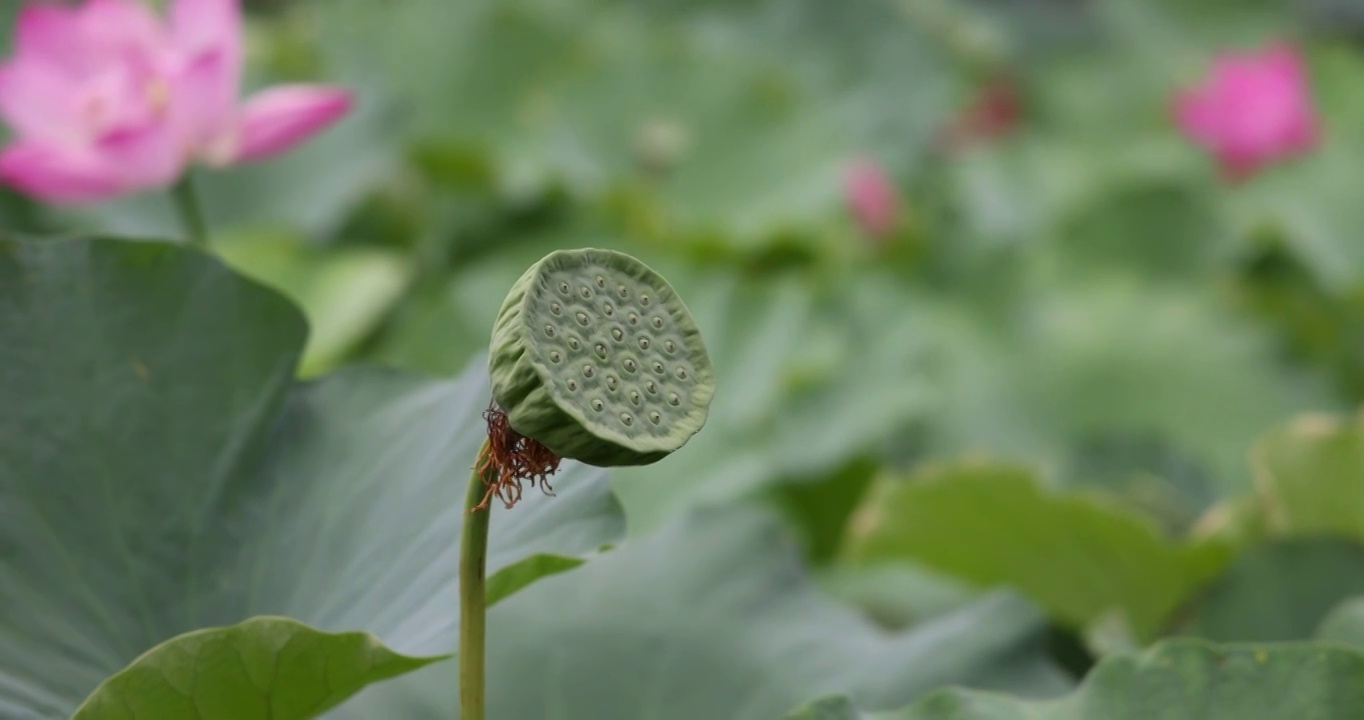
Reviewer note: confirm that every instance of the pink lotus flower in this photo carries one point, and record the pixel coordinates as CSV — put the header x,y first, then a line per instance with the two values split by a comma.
x,y
871,197
1253,109
106,98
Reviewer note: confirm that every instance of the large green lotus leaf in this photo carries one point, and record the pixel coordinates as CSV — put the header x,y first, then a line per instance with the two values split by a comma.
x,y
1076,555
160,471
266,667
1278,591
1174,680
1311,473
713,617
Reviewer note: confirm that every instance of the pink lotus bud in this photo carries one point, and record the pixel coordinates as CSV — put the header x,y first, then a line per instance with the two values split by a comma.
x,y
872,198
1253,109
107,98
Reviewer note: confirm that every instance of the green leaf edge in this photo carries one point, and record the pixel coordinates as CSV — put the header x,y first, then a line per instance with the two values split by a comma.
x,y
841,707
404,663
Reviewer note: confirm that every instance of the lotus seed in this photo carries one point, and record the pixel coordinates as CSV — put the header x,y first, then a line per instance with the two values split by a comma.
x,y
572,384
586,292
549,330
651,387
563,288
601,351
681,373
634,319
658,367
654,417
582,319
618,334
673,399
611,382
556,308
658,322
643,299
589,371
601,282
623,292
598,405
555,356
644,343
608,309
669,345
630,365
573,343
627,418
635,396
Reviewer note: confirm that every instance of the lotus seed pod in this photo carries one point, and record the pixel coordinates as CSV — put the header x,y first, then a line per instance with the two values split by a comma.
x,y
594,356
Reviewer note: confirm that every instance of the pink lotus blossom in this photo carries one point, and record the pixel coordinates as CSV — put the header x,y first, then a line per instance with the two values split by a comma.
x,y
107,98
872,198
1254,108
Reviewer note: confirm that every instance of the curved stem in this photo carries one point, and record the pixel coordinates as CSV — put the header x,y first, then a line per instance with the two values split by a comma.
x,y
191,214
473,560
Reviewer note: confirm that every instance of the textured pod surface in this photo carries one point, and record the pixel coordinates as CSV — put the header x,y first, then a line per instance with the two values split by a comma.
x,y
596,357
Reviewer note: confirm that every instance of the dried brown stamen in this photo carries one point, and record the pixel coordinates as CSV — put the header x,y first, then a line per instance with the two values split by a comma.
x,y
512,458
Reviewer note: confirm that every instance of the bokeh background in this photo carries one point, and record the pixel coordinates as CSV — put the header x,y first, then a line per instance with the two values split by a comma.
x,y
1070,289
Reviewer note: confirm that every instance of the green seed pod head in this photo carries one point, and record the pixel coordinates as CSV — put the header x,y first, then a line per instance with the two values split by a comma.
x,y
594,356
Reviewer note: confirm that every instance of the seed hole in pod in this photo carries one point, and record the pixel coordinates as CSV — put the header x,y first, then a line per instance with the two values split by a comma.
x,y
563,288
658,367
633,318
608,309
658,322
582,319
556,308
617,334
670,346
622,291
586,292
627,418
572,384
655,418
635,397
555,357
644,343
630,365
644,300
598,405
589,371
651,387
573,343
612,382
601,351
601,281
673,399
681,373
549,331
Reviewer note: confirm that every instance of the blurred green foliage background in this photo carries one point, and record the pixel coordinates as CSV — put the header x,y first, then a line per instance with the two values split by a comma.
x,y
1077,302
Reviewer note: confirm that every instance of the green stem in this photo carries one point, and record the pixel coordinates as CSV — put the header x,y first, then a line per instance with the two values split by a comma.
x,y
191,214
473,560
